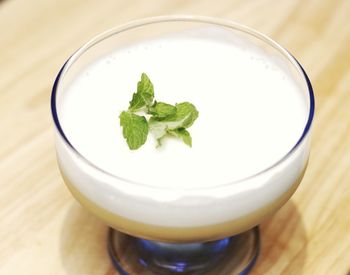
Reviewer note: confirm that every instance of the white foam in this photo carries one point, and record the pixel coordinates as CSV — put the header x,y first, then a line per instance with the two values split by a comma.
x,y
251,113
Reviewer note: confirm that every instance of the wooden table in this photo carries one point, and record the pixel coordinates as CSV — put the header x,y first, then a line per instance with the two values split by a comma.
x,y
44,231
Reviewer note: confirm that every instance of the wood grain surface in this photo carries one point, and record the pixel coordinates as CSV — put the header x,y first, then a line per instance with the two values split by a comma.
x,y
44,231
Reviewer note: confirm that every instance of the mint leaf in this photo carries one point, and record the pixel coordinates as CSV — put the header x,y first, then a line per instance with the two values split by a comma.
x,y
183,134
135,129
144,95
159,127
187,113
162,110
184,117
164,119
175,124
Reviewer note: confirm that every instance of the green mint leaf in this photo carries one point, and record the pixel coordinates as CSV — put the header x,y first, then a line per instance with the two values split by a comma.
x,y
162,110
135,129
183,134
184,117
175,124
144,95
159,127
165,119
136,103
187,113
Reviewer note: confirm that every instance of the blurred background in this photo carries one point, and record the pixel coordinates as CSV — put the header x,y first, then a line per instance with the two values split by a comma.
x,y
44,231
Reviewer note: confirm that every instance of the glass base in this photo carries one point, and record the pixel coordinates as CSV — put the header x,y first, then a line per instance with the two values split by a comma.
x,y
234,255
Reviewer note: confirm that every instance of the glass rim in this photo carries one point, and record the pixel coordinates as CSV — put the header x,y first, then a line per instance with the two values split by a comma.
x,y
182,18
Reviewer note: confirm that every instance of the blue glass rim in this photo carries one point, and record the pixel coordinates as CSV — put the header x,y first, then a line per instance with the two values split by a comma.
x,y
181,18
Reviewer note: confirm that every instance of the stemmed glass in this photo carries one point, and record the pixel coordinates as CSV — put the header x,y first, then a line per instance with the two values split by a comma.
x,y
138,247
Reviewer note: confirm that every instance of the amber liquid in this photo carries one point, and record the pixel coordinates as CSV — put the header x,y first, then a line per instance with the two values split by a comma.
x,y
182,234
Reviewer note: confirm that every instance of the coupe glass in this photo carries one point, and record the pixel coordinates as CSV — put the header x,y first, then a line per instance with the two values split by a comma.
x,y
140,247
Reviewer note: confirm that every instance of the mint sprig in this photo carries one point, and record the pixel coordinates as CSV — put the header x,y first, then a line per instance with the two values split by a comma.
x,y
163,118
